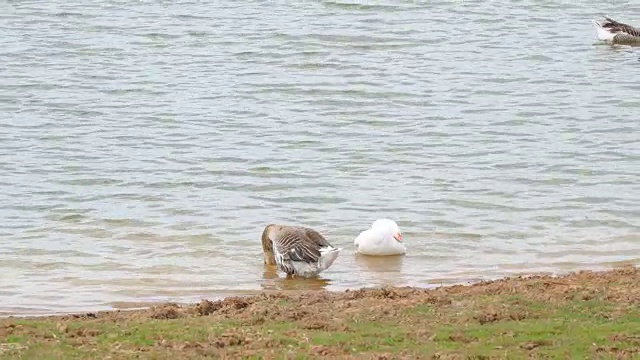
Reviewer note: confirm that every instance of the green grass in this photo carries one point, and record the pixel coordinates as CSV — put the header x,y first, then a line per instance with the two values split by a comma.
x,y
489,326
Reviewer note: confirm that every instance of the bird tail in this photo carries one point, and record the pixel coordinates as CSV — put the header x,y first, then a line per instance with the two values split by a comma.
x,y
603,28
328,255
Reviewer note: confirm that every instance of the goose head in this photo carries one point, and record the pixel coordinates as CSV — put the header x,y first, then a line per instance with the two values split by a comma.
x,y
388,228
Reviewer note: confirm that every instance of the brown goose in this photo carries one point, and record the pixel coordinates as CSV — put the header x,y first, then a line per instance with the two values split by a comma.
x,y
616,32
297,250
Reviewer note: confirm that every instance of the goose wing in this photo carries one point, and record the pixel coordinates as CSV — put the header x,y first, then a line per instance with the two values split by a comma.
x,y
620,28
300,244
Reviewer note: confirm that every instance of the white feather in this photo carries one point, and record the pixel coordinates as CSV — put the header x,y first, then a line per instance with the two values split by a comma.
x,y
328,255
603,34
379,241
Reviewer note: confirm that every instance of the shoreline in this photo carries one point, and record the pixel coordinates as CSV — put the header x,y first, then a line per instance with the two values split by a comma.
x,y
146,305
583,313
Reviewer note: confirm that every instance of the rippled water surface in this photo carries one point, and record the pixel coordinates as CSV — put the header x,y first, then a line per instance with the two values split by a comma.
x,y
145,145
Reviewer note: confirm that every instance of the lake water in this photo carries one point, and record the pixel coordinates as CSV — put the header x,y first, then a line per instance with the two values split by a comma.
x,y
145,145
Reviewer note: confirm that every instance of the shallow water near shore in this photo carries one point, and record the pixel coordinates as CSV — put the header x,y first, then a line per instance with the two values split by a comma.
x,y
581,315
145,146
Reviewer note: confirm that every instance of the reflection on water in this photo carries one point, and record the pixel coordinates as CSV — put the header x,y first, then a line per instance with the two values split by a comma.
x,y
280,282
381,270
270,272
380,264
385,270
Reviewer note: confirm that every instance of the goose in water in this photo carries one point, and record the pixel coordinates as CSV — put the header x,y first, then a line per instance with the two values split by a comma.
x,y
383,238
297,250
612,31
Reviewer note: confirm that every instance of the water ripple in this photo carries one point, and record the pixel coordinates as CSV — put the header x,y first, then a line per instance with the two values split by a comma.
x,y
145,146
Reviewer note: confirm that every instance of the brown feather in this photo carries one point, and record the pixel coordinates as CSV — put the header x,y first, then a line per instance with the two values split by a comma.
x,y
299,243
283,244
267,247
618,27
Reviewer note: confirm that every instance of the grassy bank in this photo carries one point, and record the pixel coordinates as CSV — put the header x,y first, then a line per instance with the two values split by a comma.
x,y
582,315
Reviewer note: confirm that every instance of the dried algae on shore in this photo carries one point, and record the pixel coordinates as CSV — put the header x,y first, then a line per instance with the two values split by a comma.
x,y
579,315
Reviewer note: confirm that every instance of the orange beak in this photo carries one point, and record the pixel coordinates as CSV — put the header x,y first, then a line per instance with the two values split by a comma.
x,y
398,237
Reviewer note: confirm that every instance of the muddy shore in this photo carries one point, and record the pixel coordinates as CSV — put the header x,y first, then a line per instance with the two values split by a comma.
x,y
585,314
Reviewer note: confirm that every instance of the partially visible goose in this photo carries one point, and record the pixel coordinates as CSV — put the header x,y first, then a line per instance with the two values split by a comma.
x,y
297,250
612,31
383,238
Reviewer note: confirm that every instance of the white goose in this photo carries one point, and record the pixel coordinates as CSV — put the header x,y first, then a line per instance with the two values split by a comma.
x,y
296,250
383,238
612,31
